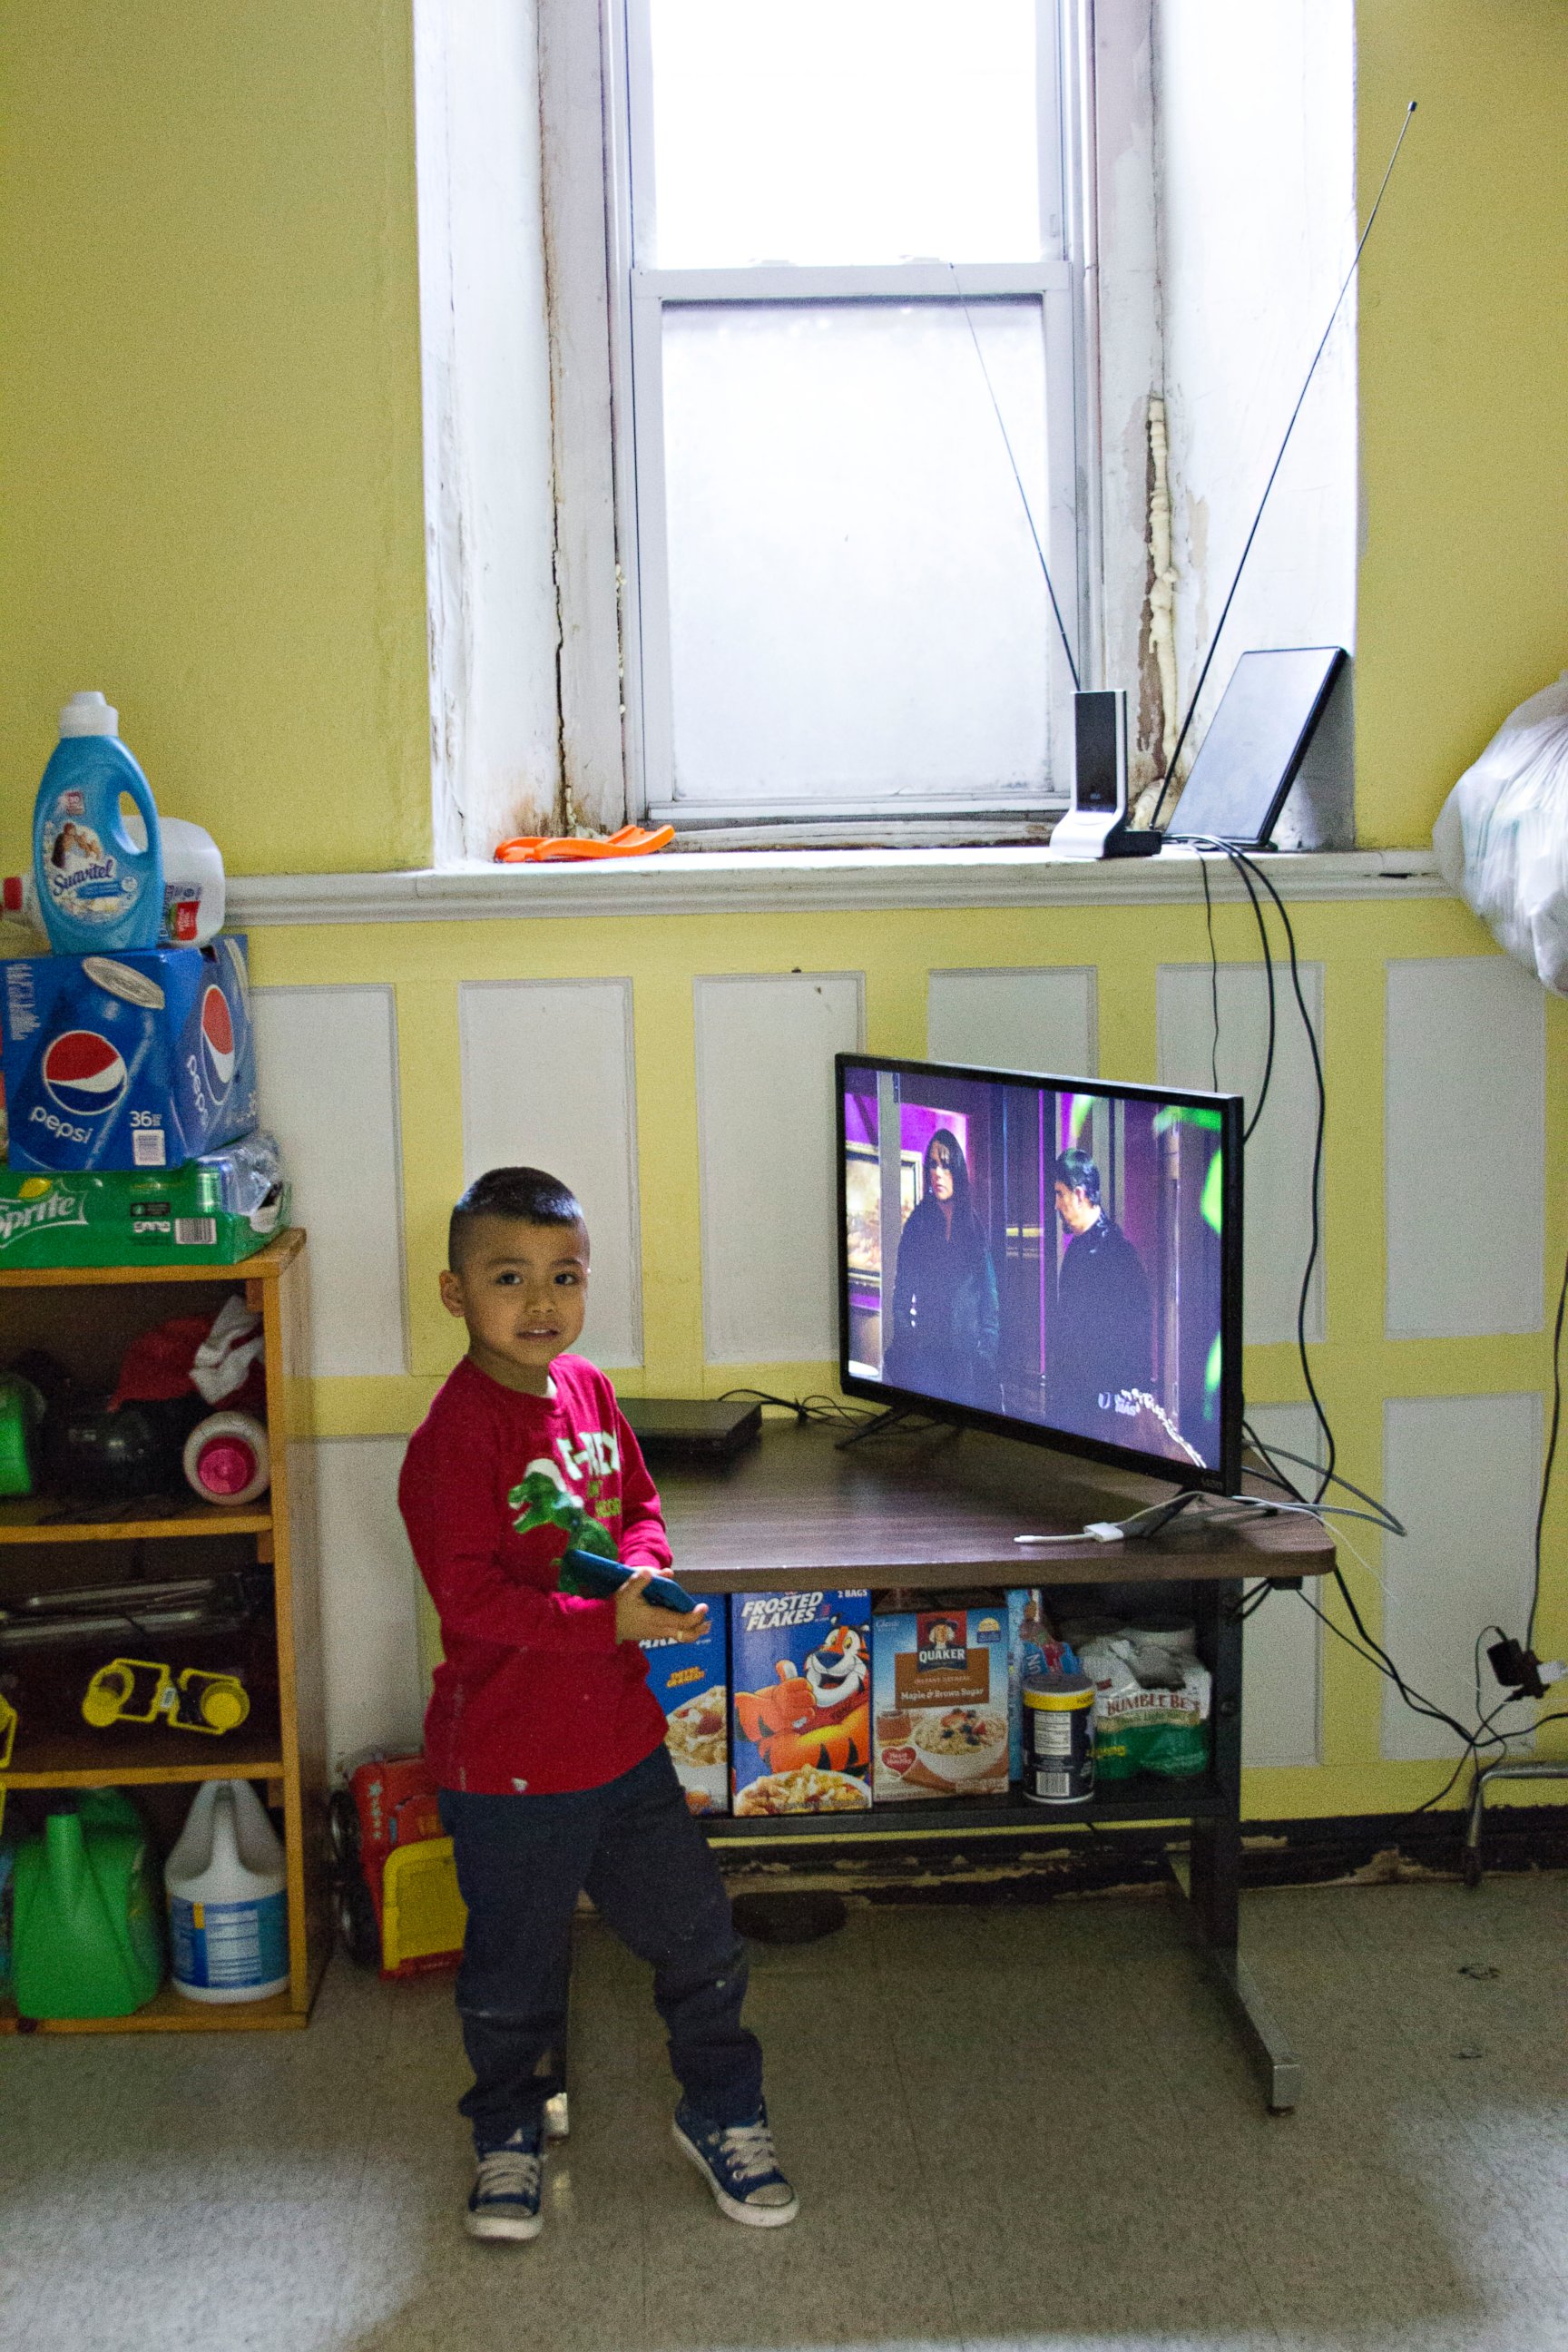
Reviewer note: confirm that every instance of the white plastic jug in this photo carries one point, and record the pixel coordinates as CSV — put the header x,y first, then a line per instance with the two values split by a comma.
x,y
228,1912
227,1459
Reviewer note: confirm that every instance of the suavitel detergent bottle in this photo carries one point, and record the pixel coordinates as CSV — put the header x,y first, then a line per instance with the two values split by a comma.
x,y
195,890
99,886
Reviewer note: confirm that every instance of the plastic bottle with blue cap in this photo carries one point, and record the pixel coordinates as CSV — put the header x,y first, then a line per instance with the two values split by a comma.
x,y
98,886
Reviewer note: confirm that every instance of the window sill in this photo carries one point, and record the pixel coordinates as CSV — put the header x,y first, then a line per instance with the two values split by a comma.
x,y
831,881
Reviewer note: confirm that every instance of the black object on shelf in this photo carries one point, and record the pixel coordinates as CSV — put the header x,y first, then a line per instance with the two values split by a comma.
x,y
699,1429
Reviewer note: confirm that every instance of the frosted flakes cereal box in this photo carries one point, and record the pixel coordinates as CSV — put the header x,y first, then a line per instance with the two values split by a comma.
x,y
939,1679
801,1673
689,1681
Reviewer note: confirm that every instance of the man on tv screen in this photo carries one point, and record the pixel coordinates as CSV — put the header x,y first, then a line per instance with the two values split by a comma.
x,y
1101,1338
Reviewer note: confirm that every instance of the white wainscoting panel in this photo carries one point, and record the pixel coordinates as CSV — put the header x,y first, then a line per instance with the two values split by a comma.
x,y
766,1125
370,1592
1465,1150
1278,1212
1282,1654
327,1059
1462,1472
1040,1021
548,1082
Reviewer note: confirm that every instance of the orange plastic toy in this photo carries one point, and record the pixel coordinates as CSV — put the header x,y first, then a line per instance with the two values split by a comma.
x,y
542,849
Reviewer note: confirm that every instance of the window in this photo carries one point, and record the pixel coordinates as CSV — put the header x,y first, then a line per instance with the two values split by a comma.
x,y
848,316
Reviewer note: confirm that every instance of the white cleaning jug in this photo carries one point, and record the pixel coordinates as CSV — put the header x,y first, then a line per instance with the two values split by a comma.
x,y
228,1917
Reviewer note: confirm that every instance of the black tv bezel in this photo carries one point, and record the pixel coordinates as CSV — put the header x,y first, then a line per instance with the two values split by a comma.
x,y
1224,1480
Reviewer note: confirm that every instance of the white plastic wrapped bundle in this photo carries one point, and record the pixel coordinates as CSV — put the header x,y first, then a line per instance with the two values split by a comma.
x,y
1502,837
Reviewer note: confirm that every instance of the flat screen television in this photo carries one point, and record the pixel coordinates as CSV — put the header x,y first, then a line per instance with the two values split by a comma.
x,y
1053,1258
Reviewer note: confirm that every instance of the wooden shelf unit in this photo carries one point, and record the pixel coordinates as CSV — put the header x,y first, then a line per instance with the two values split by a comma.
x,y
44,1518
282,1744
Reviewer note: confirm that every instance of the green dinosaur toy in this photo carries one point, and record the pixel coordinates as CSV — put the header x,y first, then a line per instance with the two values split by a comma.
x,y
542,1502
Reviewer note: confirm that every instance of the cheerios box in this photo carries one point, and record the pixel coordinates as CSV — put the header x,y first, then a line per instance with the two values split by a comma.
x,y
691,1682
800,1675
939,1683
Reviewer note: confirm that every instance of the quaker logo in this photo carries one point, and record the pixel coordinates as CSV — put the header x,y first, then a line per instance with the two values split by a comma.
x,y
83,1073
217,1047
939,1644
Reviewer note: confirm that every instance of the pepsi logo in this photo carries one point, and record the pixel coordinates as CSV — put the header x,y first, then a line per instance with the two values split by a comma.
x,y
83,1073
217,1042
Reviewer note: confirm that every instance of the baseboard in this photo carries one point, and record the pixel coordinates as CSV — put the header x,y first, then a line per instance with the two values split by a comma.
x,y
1355,1849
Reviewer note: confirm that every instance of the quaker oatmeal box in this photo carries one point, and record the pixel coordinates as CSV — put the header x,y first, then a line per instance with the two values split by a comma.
x,y
800,1671
689,1681
939,1680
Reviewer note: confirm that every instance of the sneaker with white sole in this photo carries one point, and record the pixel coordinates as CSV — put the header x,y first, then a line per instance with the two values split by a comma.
x,y
738,2162
504,2201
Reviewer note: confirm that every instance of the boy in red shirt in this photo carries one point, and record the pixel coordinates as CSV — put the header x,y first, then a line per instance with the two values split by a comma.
x,y
544,1736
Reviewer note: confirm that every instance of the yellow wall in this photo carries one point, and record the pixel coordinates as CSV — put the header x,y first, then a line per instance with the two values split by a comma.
x,y
209,406
1357,1367
209,415
1463,355
209,426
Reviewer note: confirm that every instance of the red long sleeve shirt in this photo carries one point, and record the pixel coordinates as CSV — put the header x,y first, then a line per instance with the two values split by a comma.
x,y
535,1694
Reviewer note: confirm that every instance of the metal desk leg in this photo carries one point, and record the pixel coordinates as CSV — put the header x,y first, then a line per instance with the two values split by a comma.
x,y
1264,2038
1209,1889
1507,1767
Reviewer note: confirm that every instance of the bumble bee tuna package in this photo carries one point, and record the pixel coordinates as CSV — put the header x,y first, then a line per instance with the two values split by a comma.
x,y
800,1672
689,1681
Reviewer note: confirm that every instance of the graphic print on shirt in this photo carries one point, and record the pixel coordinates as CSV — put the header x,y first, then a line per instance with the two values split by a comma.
x,y
544,1499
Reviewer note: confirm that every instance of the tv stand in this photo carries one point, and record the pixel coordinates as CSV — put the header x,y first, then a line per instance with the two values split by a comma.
x,y
798,1510
883,1424
1160,1518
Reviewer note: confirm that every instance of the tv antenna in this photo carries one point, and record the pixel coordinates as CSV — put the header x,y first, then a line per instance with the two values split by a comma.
x,y
1018,478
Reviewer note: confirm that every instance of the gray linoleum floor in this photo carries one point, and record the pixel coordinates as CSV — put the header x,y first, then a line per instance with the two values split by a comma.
x,y
1009,2128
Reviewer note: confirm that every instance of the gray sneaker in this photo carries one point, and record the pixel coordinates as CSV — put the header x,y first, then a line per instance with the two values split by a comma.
x,y
504,2201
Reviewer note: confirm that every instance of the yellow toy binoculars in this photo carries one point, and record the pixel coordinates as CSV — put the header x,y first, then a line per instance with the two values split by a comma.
x,y
139,1690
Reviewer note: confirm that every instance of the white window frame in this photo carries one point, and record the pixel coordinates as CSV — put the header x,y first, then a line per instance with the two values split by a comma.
x,y
1062,281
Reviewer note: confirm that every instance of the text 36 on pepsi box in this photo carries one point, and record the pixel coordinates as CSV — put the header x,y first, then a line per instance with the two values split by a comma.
x,y
140,1060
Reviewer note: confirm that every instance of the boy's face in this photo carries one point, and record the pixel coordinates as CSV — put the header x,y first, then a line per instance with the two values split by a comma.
x,y
522,1290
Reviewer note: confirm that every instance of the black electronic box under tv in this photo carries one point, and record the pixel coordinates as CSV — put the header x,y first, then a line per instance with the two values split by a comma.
x,y
1052,1259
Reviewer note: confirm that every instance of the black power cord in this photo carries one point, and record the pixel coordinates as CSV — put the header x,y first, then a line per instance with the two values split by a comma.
x,y
1551,1455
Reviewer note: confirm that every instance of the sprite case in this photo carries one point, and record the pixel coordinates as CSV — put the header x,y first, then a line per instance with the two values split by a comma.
x,y
214,1210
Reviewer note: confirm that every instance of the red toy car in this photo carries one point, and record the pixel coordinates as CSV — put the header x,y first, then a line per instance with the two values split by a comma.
x,y
390,1803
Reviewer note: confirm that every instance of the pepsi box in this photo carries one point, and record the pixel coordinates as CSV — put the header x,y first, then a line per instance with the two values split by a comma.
x,y
134,1061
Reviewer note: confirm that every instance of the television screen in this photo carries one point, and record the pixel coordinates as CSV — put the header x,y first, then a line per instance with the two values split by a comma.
x,y
1053,1258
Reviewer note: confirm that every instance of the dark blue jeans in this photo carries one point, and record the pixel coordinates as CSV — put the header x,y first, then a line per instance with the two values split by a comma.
x,y
633,1846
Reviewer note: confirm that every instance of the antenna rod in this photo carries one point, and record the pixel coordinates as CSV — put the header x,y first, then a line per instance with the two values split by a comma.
x,y
1018,478
1263,501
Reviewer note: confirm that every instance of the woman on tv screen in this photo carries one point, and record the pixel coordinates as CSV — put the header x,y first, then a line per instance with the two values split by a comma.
x,y
946,1318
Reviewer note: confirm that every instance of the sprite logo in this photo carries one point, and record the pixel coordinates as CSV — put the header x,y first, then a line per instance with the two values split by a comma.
x,y
50,1208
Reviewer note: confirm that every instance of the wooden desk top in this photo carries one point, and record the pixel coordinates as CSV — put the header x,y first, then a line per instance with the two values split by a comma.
x,y
938,1508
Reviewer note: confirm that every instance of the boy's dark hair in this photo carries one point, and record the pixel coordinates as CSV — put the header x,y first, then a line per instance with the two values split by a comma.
x,y
525,1195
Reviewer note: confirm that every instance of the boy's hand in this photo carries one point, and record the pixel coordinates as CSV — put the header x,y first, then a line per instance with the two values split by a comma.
x,y
637,1620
